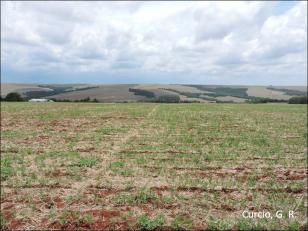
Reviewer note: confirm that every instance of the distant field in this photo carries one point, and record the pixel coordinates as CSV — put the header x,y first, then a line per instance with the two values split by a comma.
x,y
263,92
20,88
104,93
121,92
119,166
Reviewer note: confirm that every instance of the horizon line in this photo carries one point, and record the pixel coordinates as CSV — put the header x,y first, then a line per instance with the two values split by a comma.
x,y
257,85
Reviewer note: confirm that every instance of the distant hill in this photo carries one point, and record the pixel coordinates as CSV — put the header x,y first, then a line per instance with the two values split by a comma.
x,y
144,92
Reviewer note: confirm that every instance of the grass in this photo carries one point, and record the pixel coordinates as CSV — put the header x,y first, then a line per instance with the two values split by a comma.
x,y
87,162
150,224
150,166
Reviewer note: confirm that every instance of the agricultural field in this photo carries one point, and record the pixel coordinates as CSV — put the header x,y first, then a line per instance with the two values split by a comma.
x,y
108,93
103,93
146,165
21,88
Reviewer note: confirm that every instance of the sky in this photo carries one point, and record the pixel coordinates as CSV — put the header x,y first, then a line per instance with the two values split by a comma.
x,y
239,43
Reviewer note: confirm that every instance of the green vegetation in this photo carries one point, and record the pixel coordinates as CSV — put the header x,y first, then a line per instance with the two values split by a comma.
x,y
217,92
182,221
87,162
150,224
298,100
165,98
13,97
266,100
55,90
77,217
289,91
120,166
169,98
141,92
227,91
2,222
6,168
142,196
190,94
223,91
85,100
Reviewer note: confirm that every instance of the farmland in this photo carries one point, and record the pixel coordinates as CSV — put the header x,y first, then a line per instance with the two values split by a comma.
x,y
109,93
147,165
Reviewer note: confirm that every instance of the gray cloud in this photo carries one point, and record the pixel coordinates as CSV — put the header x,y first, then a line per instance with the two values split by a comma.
x,y
199,38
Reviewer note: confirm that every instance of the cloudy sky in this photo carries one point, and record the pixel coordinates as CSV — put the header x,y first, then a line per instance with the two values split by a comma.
x,y
259,43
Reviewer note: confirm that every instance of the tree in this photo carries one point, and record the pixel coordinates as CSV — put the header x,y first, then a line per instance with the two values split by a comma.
x,y
169,98
298,100
13,96
145,93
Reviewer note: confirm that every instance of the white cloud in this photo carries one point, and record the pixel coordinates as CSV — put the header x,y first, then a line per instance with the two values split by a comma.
x,y
209,39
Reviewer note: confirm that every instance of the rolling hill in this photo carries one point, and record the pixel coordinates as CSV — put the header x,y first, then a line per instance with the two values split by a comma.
x,y
144,92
